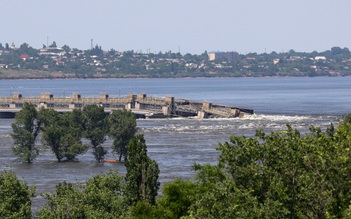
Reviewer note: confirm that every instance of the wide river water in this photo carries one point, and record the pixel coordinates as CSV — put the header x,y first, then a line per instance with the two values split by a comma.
x,y
176,144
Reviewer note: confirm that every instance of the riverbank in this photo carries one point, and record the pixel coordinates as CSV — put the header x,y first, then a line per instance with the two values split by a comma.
x,y
6,74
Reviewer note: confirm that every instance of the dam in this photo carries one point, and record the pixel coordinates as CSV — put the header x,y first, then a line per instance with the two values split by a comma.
x,y
141,105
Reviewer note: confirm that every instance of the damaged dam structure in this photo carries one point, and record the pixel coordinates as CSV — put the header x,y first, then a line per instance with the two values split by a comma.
x,y
141,105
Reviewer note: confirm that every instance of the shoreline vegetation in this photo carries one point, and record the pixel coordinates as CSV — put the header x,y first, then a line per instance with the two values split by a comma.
x,y
53,62
19,75
284,174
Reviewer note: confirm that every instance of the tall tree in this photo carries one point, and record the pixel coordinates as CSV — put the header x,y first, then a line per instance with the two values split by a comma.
x,y
14,197
62,133
95,127
25,132
72,134
122,127
142,173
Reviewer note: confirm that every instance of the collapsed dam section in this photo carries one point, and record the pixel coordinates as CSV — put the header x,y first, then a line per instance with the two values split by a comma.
x,y
141,105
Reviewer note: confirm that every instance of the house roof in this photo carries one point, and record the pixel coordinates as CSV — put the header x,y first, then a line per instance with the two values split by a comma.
x,y
24,56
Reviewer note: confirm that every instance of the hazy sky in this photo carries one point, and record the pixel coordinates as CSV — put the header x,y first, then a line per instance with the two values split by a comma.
x,y
192,26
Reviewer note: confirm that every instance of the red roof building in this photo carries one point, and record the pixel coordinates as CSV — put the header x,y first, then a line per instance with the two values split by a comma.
x,y
24,57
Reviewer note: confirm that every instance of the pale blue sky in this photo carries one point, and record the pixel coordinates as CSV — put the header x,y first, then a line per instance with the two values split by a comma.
x,y
191,25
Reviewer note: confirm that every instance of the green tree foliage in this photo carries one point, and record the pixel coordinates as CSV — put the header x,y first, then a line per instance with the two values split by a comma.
x,y
142,173
72,134
96,51
122,127
279,175
177,197
25,131
62,133
283,174
26,49
112,196
66,48
347,119
145,210
100,197
14,197
95,128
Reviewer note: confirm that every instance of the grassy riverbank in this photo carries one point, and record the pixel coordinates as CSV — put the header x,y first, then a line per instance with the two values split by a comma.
x,y
33,74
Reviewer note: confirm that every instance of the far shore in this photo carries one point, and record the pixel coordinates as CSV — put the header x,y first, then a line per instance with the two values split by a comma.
x,y
43,75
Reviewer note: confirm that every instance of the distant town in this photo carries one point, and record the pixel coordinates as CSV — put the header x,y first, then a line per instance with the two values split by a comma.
x,y
52,61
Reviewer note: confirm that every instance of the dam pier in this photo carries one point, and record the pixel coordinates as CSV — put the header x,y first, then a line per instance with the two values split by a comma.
x,y
141,105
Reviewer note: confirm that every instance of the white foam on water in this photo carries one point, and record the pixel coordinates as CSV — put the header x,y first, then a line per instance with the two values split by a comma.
x,y
247,124
277,117
5,136
254,117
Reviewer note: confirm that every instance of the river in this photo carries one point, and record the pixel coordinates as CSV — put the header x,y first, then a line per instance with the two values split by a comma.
x,y
178,143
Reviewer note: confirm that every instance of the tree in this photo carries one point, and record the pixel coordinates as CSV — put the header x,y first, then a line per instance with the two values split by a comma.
x,y
279,175
53,45
95,127
97,51
122,127
49,119
347,119
24,47
25,131
145,210
66,48
100,197
14,197
142,173
177,197
62,133
72,134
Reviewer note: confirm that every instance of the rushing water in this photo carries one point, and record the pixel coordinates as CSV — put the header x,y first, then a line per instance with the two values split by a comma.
x,y
178,143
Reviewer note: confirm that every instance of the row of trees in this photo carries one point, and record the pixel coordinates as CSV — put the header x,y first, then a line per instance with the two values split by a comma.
x,y
283,174
63,133
103,196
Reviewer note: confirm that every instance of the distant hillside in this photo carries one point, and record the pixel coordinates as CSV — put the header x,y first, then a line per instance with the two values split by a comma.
x,y
64,62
